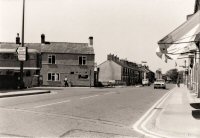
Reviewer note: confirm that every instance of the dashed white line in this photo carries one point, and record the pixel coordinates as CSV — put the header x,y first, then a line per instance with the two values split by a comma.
x,y
89,97
52,104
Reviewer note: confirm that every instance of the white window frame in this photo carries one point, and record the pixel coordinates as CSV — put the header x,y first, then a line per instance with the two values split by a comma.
x,y
82,59
50,57
53,75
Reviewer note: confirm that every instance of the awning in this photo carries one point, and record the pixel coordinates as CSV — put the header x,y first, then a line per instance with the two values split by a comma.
x,y
181,40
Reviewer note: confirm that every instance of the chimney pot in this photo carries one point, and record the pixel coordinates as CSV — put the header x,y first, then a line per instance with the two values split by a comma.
x,y
90,41
42,38
17,39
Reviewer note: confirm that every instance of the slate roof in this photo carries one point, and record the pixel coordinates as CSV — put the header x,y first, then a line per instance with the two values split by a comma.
x,y
54,47
65,47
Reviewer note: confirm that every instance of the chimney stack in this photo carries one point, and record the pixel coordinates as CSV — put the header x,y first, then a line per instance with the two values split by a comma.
x,y
18,39
42,38
90,41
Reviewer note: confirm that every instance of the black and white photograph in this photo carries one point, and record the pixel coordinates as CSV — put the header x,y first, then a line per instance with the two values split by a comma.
x,y
100,68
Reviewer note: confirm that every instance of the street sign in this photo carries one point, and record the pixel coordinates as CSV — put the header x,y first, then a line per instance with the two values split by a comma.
x,y
22,53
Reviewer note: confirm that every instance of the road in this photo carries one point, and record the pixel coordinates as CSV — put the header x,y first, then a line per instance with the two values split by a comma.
x,y
77,112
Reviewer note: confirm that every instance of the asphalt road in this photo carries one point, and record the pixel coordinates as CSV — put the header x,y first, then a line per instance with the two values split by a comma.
x,y
77,112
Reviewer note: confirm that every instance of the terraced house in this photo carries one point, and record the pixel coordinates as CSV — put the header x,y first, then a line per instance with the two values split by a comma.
x,y
122,72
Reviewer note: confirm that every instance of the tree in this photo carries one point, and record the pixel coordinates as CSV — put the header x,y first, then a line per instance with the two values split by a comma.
x,y
172,74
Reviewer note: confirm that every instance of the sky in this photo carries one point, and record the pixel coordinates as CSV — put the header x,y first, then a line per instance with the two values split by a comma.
x,y
129,29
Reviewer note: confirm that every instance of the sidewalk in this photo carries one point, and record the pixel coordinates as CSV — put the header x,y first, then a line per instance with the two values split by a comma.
x,y
13,93
179,116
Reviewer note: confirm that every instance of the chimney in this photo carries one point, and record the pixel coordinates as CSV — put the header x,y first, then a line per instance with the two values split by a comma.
x,y
18,39
90,41
42,38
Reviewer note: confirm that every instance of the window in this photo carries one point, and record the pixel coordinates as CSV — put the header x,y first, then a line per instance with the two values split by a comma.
x,y
82,60
52,59
53,77
83,76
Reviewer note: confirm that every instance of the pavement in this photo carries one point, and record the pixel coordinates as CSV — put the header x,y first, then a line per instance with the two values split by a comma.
x,y
14,93
178,116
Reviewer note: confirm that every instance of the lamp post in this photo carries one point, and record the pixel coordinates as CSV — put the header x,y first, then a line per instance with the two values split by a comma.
x,y
21,62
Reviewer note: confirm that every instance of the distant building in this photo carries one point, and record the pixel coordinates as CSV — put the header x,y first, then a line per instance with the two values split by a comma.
x,y
120,71
158,74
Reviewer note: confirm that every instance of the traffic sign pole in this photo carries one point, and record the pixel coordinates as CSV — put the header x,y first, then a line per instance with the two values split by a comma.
x,y
21,62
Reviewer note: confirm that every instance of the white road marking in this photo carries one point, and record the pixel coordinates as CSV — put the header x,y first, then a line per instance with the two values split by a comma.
x,y
88,97
109,93
52,104
145,118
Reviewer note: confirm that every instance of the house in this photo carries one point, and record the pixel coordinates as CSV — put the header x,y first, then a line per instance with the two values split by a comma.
x,y
72,60
122,72
10,65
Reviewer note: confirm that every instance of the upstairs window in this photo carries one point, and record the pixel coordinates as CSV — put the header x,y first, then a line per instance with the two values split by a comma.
x,y
82,60
52,59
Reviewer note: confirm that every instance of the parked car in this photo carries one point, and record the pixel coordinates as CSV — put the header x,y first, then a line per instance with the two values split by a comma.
x,y
160,83
145,82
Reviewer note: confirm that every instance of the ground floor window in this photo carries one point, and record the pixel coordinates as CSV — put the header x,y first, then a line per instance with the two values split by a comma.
x,y
53,77
83,76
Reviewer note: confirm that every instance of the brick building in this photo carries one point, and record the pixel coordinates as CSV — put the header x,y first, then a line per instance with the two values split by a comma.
x,y
72,60
10,66
119,70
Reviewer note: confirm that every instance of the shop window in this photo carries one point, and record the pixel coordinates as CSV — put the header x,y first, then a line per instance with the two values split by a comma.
x,y
53,77
82,60
52,59
83,76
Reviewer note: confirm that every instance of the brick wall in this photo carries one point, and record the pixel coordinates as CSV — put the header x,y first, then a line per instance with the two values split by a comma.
x,y
67,65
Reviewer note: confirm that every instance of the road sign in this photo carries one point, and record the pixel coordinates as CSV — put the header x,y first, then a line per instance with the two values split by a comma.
x,y
22,53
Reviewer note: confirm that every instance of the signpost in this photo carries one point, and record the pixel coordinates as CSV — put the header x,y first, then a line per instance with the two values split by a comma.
x,y
22,53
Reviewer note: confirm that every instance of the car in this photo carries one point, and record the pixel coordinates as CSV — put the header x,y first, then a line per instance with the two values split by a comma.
x,y
160,83
145,82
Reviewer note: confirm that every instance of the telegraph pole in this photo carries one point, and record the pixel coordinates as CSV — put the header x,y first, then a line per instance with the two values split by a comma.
x,y
22,62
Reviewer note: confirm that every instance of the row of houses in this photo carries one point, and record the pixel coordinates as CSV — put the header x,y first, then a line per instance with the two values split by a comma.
x,y
48,63
123,72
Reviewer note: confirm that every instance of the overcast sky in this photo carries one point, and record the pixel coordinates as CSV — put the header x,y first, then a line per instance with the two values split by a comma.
x,y
129,29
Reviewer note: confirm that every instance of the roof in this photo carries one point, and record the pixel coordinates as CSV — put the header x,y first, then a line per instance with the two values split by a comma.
x,y
66,47
54,47
7,45
122,65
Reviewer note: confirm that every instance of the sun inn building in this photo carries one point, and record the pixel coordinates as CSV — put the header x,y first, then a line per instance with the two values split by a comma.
x,y
72,60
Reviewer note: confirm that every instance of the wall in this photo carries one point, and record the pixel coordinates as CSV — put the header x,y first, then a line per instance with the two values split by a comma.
x,y
109,70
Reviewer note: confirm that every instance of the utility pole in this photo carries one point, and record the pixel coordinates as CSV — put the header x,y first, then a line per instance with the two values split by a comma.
x,y
21,62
